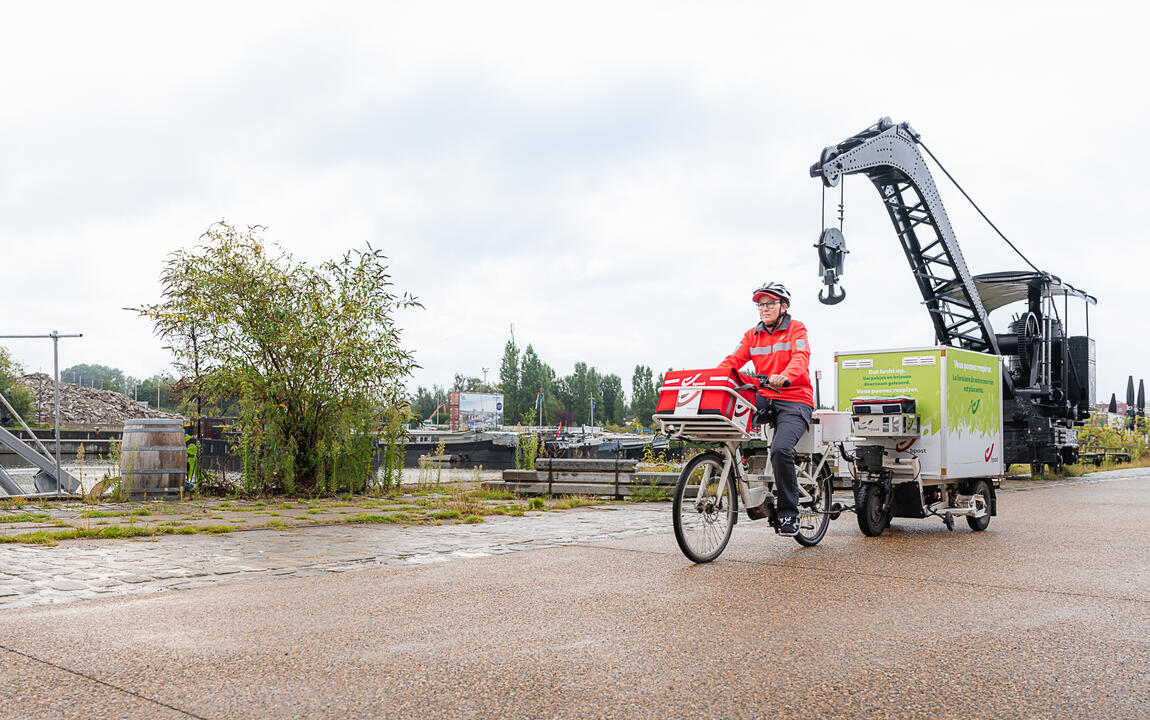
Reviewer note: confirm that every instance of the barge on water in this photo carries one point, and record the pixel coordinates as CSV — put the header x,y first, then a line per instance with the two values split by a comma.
x,y
496,448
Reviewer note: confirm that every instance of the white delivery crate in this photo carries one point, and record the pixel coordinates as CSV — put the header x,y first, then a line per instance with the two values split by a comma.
x,y
958,402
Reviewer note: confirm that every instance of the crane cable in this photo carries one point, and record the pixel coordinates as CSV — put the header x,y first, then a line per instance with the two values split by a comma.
x,y
976,207
1053,305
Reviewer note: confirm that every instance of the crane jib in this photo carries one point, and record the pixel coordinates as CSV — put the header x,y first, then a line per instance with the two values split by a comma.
x,y
888,155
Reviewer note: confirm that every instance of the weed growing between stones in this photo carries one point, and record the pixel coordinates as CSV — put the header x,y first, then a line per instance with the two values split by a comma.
x,y
80,462
439,466
650,491
24,518
569,502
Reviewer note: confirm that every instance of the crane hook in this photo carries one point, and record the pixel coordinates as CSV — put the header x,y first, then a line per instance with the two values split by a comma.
x,y
833,295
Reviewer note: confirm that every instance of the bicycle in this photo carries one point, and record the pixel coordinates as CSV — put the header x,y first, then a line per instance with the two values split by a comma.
x,y
707,495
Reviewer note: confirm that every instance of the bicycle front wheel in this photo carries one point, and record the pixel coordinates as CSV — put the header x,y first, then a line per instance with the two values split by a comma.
x,y
704,508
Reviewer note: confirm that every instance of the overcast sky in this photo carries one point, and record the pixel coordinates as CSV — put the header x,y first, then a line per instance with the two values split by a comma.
x,y
613,179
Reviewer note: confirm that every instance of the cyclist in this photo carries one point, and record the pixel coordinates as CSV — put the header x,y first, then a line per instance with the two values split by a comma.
x,y
778,348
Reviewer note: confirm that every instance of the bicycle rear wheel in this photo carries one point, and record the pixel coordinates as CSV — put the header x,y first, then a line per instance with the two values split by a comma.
x,y
814,514
704,508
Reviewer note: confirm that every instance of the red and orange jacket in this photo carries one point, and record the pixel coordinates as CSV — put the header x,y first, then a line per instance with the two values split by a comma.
x,y
785,351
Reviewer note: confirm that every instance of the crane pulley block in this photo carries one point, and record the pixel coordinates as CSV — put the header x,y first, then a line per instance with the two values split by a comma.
x,y
832,247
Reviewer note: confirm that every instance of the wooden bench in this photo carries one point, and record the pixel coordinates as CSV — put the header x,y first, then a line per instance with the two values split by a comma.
x,y
563,476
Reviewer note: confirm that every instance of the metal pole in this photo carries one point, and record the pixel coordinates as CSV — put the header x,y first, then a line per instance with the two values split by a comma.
x,y
55,336
56,374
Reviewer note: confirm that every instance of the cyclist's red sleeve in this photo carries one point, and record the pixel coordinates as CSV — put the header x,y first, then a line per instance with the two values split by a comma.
x,y
800,353
742,354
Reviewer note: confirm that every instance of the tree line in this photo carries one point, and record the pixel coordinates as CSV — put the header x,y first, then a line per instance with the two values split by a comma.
x,y
534,394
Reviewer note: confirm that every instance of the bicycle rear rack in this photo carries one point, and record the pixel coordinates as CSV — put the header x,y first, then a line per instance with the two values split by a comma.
x,y
709,428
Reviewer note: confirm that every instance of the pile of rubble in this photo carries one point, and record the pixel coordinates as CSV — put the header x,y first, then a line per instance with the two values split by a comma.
x,y
83,406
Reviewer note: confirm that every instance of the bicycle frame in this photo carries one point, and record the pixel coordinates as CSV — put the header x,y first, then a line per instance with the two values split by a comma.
x,y
730,436
753,496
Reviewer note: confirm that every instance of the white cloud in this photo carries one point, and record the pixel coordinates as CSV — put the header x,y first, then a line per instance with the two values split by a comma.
x,y
612,178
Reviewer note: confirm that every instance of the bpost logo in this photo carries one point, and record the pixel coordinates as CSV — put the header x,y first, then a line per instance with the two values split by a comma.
x,y
989,454
974,405
685,398
904,445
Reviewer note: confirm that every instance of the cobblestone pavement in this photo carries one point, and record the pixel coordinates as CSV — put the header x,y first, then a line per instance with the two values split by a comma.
x,y
36,575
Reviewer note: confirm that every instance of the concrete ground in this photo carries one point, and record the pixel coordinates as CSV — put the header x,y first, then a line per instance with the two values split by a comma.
x,y
1046,614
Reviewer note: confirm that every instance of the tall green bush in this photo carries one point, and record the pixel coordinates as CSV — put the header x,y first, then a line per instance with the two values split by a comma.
x,y
313,354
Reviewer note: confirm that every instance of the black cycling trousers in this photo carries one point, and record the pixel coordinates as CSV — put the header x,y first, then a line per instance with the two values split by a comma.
x,y
791,420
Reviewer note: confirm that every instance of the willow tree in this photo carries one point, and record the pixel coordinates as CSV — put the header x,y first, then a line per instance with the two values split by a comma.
x,y
313,354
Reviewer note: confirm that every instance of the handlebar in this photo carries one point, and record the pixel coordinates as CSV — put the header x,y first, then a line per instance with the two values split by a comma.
x,y
764,383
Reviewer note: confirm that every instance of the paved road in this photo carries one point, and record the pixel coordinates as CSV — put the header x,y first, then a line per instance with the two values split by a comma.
x,y
1044,615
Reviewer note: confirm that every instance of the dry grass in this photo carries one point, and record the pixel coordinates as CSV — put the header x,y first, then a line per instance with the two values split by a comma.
x,y
467,502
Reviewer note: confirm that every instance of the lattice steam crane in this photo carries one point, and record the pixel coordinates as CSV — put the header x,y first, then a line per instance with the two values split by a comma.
x,y
1048,375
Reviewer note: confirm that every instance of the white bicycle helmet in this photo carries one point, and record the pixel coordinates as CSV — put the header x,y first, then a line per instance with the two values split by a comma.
x,y
772,288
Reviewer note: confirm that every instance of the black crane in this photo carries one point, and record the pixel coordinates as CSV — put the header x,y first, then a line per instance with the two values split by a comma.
x,y
1048,375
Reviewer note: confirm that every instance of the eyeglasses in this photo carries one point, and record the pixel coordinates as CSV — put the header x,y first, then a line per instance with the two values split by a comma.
x,y
769,304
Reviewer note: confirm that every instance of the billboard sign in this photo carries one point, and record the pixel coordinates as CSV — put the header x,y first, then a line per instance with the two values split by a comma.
x,y
478,410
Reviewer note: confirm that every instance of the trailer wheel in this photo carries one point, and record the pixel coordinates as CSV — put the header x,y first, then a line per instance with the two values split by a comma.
x,y
981,490
872,519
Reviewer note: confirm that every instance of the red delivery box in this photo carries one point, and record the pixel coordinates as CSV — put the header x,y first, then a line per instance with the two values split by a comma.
x,y
707,392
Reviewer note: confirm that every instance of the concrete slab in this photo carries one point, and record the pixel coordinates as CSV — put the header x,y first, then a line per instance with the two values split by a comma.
x,y
921,623
594,632
25,695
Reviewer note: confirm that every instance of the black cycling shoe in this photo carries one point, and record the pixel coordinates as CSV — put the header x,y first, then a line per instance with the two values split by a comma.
x,y
789,526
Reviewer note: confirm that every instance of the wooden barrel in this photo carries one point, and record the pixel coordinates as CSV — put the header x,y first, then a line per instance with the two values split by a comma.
x,y
154,458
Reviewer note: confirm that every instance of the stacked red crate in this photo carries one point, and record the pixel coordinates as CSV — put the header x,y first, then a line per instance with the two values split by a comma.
x,y
710,391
